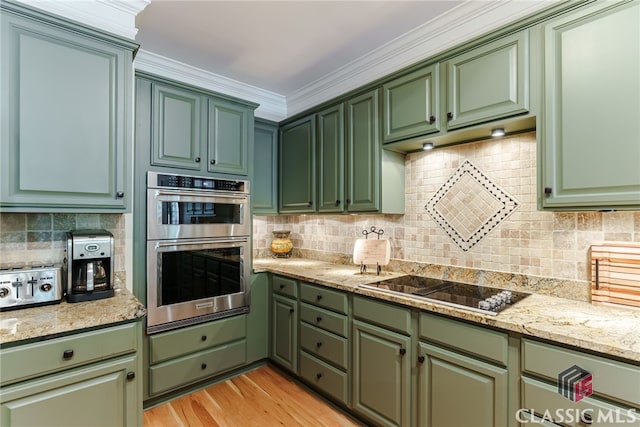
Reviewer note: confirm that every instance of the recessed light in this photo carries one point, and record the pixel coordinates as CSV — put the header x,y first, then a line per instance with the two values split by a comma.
x,y
427,146
497,132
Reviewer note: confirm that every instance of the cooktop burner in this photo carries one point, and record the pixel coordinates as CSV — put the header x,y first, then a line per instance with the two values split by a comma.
x,y
483,299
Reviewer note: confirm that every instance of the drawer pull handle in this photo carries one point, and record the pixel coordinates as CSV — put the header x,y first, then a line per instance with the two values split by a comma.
x,y
319,297
203,338
203,366
319,375
318,319
319,344
67,354
131,375
421,359
403,351
281,286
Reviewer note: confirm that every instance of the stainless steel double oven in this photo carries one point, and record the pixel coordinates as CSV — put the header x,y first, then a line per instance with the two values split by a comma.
x,y
198,234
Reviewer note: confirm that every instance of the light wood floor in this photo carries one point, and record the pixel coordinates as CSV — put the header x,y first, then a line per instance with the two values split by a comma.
x,y
262,397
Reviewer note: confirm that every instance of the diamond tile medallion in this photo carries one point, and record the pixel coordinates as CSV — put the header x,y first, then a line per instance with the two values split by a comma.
x,y
469,206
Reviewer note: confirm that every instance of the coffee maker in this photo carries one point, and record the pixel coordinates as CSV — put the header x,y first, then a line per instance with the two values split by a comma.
x,y
89,265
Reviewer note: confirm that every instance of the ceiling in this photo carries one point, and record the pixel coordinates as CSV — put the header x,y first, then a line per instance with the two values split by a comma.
x,y
280,46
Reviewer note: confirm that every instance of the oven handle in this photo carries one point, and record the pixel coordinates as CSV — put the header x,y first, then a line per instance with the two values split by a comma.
x,y
159,193
200,242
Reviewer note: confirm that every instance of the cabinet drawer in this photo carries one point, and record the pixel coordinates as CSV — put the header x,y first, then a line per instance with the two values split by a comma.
x,y
285,286
324,297
324,345
326,378
613,379
482,342
325,319
183,341
33,360
545,401
185,370
382,314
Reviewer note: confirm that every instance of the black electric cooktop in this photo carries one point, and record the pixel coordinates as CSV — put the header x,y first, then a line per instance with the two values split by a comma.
x,y
478,298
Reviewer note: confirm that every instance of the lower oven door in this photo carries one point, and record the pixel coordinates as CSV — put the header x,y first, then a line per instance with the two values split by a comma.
x,y
194,280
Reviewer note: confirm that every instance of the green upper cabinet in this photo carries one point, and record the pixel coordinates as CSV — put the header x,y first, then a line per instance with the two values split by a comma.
x,y
264,182
192,129
230,132
363,153
178,133
331,159
66,97
411,104
589,151
297,166
489,82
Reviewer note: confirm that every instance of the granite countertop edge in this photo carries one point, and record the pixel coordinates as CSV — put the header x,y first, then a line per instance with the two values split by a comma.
x,y
611,331
26,325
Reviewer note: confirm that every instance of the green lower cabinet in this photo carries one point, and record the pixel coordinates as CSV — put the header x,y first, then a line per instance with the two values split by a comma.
x,y
258,318
103,394
284,332
456,390
381,375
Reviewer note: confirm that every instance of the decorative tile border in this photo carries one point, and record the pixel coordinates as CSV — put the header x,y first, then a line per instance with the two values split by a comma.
x,y
468,206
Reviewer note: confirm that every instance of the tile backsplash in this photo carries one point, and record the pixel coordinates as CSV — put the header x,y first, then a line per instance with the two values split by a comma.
x,y
26,238
528,241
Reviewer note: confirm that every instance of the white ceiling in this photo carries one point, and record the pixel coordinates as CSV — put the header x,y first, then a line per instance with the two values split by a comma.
x,y
291,55
280,46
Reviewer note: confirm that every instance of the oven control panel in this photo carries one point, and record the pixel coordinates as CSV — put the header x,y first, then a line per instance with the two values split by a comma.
x,y
157,180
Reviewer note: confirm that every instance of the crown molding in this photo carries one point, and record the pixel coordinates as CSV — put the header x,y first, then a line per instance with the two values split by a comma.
x,y
272,105
113,16
469,20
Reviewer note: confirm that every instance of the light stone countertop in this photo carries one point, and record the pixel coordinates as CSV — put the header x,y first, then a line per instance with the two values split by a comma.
x,y
609,330
51,321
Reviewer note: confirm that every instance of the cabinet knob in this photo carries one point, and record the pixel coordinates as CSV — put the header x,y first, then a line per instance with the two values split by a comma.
x,y
310,203
319,375
281,287
67,354
318,344
131,375
197,159
318,297
291,310
203,366
338,202
203,338
348,201
432,119
318,319
120,194
548,190
403,351
421,359
449,116
212,161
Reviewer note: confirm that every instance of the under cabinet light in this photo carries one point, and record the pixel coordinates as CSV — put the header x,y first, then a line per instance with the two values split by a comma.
x,y
427,146
497,132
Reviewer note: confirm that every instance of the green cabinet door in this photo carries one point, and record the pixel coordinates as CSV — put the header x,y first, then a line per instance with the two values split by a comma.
x,y
66,97
331,159
264,182
284,332
456,390
230,135
177,124
258,318
381,376
363,153
411,104
297,166
489,82
589,155
104,394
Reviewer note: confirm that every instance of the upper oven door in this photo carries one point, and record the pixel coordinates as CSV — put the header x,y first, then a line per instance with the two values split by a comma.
x,y
188,214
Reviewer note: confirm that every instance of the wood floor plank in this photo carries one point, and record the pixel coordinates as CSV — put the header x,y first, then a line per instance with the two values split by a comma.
x,y
261,397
